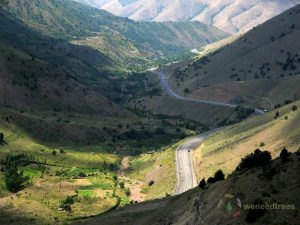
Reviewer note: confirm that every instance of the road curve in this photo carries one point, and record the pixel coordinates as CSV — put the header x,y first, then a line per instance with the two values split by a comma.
x,y
169,91
186,178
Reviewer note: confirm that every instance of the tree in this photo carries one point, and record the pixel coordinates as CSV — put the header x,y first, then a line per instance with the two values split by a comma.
x,y
1,138
3,3
151,182
186,90
284,155
210,180
276,115
202,183
219,175
66,204
294,108
14,178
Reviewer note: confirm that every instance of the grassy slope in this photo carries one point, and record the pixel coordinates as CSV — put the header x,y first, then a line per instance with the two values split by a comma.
x,y
38,202
159,167
209,206
260,53
224,149
122,39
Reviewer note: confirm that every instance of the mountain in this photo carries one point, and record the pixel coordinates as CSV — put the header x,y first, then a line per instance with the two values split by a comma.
x,y
125,41
260,68
230,15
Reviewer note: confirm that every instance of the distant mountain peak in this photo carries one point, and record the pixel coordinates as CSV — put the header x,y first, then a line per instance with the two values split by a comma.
x,y
229,15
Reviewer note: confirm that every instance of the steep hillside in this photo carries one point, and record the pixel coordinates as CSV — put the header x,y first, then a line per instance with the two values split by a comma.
x,y
224,149
121,39
224,202
230,15
260,68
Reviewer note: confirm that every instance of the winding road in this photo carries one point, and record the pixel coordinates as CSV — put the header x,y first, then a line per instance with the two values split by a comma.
x,y
169,91
186,178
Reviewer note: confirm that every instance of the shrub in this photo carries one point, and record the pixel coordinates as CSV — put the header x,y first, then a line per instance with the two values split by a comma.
x,y
219,175
256,212
127,192
151,182
202,183
81,174
262,144
294,107
256,159
66,204
54,152
122,185
276,115
284,155
210,180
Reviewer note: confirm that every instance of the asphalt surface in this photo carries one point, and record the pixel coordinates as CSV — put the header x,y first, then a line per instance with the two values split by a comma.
x,y
186,178
169,91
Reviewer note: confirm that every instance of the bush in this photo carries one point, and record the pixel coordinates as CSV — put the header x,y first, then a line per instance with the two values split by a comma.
x,y
202,183
122,185
284,155
294,107
81,174
127,192
210,180
151,182
276,115
256,159
219,175
66,204
256,212
54,152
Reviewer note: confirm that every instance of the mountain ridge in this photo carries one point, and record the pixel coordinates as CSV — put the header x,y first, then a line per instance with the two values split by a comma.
x,y
240,15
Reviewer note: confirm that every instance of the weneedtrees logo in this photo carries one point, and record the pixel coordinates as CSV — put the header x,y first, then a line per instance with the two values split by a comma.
x,y
231,205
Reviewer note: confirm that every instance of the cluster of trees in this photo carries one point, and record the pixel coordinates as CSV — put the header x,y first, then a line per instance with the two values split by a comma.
x,y
256,159
13,177
218,176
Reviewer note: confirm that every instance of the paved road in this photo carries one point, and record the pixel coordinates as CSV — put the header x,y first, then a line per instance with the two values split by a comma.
x,y
169,91
186,178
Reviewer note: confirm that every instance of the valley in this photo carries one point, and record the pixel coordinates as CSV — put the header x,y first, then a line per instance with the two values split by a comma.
x,y
160,121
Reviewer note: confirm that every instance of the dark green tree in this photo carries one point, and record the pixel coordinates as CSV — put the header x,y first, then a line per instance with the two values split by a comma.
x,y
284,155
202,183
219,175
1,138
14,178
